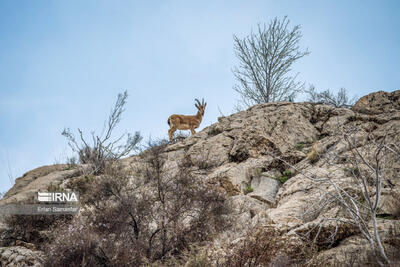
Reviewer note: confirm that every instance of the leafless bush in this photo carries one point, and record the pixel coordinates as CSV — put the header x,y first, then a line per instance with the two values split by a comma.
x,y
203,161
82,184
30,228
264,247
149,218
327,233
371,165
102,147
195,256
265,60
340,100
368,165
76,245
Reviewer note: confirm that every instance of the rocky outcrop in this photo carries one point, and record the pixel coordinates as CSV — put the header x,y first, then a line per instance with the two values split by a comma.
x,y
20,257
246,155
378,103
40,179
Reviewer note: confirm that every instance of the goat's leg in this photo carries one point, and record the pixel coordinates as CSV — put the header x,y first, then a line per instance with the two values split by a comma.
x,y
193,131
171,133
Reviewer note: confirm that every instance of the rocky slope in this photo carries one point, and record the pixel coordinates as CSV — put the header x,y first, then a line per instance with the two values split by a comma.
x,y
244,155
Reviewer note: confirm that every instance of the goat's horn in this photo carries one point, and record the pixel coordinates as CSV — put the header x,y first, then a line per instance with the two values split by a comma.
x,y
198,102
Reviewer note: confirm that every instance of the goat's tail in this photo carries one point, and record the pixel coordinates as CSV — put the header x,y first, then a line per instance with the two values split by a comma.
x,y
168,122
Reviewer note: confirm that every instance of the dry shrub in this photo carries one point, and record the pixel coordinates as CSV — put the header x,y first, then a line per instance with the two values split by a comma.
x,y
313,155
101,149
350,258
198,261
138,220
195,256
264,247
76,245
359,258
82,184
203,161
32,228
327,97
223,184
324,235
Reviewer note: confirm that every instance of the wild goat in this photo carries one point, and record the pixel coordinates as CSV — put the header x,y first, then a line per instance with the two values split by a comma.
x,y
183,122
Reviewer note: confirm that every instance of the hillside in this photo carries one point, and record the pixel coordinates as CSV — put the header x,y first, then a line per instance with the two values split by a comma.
x,y
266,161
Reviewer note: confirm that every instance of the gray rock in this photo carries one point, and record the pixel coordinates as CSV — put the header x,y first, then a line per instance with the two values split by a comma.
x,y
20,256
265,189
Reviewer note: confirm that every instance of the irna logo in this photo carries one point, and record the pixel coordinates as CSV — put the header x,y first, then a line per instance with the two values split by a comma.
x,y
58,197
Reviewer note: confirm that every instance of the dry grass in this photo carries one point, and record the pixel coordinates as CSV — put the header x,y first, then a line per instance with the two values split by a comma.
x,y
314,153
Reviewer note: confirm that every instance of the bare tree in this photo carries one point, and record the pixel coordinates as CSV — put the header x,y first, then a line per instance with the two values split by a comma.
x,y
265,61
103,147
368,168
368,174
340,100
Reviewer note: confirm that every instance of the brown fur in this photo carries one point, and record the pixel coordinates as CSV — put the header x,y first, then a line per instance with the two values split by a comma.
x,y
185,122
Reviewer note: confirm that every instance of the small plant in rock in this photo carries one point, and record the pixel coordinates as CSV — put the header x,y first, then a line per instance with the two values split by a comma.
x,y
248,190
313,155
352,118
82,184
71,163
284,177
196,256
300,146
322,136
203,160
327,97
214,130
55,187
68,168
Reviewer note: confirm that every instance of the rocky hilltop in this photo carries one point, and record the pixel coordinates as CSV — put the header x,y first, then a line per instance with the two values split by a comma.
x,y
262,159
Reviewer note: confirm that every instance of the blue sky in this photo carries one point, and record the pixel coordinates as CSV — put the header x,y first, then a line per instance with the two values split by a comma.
x,y
62,63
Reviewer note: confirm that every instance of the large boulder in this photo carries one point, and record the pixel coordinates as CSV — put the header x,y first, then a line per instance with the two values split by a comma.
x,y
264,189
378,102
40,179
